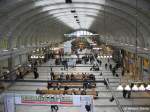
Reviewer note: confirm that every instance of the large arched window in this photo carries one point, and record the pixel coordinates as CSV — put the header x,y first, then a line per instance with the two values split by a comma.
x,y
80,33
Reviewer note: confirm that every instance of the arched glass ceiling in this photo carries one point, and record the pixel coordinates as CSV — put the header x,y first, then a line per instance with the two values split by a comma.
x,y
29,20
78,19
80,33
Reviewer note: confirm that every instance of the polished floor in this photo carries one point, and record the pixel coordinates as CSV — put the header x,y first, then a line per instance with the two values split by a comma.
x,y
102,104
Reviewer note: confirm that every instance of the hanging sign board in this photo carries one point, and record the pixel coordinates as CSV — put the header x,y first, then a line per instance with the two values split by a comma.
x,y
48,100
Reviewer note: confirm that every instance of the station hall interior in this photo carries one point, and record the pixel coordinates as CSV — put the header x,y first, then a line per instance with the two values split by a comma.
x,y
74,55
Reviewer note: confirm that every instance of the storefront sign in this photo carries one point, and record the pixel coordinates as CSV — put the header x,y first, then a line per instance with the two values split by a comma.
x,y
48,100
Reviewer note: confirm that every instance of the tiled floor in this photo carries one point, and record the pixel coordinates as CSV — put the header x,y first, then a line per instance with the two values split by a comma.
x,y
102,104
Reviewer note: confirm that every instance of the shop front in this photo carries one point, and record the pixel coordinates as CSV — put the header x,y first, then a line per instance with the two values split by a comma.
x,y
146,69
132,65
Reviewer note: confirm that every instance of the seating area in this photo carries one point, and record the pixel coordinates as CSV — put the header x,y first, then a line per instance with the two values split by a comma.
x,y
72,85
92,76
73,76
69,92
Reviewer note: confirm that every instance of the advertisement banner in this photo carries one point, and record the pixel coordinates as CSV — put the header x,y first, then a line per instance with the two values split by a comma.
x,y
48,100
85,102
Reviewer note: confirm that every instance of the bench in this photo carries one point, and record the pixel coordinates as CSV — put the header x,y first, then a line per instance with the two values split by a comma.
x,y
68,92
76,77
70,84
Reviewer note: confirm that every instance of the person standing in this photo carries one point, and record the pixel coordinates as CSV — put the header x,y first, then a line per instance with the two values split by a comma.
x,y
106,66
124,93
36,74
72,77
51,69
101,74
108,60
83,92
67,77
129,94
61,76
52,75
100,62
19,74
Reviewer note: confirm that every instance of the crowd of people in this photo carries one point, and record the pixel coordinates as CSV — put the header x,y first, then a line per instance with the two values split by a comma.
x,y
72,76
86,59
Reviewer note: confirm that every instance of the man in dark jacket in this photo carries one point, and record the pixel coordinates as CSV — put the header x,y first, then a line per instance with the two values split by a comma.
x,y
52,75
88,107
124,93
54,108
36,74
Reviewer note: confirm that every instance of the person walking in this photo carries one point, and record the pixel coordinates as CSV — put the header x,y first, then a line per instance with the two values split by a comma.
x,y
88,107
105,83
54,108
110,67
114,71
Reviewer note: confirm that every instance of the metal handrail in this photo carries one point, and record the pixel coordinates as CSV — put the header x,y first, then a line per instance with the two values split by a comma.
x,y
111,90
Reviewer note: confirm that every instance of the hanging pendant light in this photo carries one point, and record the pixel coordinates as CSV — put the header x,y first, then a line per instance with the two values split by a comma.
x,y
135,88
148,87
120,88
128,88
142,88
